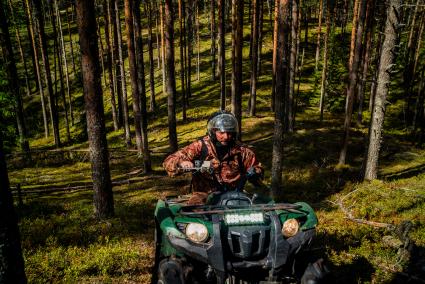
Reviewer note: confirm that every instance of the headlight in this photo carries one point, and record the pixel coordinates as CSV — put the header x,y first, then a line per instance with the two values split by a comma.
x,y
196,232
290,228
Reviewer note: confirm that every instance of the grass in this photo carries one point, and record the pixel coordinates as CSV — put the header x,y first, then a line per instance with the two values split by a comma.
x,y
63,242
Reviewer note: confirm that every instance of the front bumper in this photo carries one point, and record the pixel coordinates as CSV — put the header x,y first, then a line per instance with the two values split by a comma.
x,y
213,254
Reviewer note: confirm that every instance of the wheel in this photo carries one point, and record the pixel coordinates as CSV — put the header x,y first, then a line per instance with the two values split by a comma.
x,y
315,272
170,272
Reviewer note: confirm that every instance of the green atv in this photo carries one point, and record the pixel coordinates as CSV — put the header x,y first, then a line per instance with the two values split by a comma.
x,y
236,237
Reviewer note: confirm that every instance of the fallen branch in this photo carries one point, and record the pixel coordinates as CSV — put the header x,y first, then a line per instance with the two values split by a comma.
x,y
349,216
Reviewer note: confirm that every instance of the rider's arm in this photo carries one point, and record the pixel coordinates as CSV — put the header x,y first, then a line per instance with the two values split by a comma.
x,y
188,153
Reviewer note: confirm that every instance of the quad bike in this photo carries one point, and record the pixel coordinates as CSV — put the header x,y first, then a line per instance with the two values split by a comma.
x,y
234,238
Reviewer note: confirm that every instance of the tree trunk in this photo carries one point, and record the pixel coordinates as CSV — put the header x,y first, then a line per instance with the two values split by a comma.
x,y
152,103
221,52
352,84
124,102
212,17
133,73
419,108
169,74
289,104
366,55
189,32
109,59
274,60
12,263
325,62
354,32
70,42
161,13
319,31
47,75
65,62
102,186
282,35
182,60
13,80
198,47
62,85
252,103
237,44
21,52
101,56
142,87
260,37
37,68
385,63
116,65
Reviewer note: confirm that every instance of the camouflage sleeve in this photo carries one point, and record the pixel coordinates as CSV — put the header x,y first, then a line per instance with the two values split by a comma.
x,y
188,153
250,161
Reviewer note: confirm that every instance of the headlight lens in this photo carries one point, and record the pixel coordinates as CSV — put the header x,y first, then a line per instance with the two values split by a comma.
x,y
290,228
196,232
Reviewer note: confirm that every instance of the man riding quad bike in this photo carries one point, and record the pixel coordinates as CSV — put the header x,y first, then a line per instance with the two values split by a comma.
x,y
220,232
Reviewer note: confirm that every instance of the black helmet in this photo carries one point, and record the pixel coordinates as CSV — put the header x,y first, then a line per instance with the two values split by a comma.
x,y
223,121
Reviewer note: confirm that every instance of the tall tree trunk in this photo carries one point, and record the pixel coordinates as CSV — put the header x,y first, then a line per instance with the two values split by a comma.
x,y
70,42
282,36
198,47
47,75
157,33
221,52
124,102
161,14
319,31
101,56
325,61
142,86
37,68
274,60
169,74
212,19
260,37
182,61
152,103
366,55
385,63
289,104
102,186
354,32
109,59
419,107
133,73
65,62
189,33
252,103
116,64
12,263
13,80
59,60
352,84
21,52
238,7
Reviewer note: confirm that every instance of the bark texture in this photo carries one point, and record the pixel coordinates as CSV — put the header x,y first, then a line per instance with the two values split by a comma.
x,y
102,187
282,7
170,78
385,63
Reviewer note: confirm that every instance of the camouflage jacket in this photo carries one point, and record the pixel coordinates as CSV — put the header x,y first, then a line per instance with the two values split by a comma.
x,y
227,171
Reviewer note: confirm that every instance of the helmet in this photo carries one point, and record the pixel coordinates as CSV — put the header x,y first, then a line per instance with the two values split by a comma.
x,y
223,121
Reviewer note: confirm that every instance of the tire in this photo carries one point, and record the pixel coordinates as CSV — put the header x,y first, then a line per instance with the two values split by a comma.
x,y
170,272
315,273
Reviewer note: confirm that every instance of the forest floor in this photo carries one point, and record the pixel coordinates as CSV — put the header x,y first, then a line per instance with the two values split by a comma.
x,y
64,243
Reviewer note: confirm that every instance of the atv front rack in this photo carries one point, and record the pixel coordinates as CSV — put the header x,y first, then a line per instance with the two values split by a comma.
x,y
221,209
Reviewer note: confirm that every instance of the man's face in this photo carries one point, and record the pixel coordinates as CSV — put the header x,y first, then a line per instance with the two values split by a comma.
x,y
224,137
